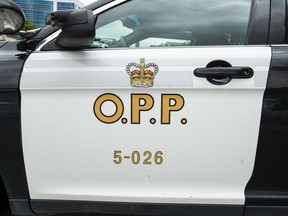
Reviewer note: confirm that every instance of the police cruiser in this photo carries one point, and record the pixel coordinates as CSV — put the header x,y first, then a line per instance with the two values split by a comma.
x,y
148,107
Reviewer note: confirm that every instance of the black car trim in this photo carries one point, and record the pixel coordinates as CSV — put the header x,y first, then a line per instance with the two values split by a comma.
x,y
268,185
258,28
60,207
12,168
277,34
266,211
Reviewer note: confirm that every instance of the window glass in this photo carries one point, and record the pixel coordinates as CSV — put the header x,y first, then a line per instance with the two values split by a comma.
x,y
162,23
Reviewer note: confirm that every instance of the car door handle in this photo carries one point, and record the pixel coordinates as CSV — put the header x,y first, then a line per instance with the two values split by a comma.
x,y
223,75
233,72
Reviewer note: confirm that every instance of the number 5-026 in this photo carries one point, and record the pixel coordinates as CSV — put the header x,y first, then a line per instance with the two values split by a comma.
x,y
136,157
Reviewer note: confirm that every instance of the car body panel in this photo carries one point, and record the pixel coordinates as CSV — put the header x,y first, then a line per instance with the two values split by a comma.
x,y
205,162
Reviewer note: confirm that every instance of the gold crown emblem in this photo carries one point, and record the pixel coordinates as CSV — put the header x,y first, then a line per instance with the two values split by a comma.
x,y
142,75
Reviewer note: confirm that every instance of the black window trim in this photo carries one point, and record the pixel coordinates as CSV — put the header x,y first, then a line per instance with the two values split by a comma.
x,y
258,27
278,23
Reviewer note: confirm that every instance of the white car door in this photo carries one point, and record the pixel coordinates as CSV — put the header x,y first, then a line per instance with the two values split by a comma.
x,y
150,113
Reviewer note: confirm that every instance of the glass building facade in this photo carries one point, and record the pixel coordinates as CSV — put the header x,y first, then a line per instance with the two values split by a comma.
x,y
36,10
64,6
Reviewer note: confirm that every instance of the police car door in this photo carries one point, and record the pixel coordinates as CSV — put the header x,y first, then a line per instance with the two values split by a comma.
x,y
163,108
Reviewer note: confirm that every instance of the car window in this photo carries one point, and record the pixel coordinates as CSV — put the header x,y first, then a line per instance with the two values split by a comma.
x,y
162,23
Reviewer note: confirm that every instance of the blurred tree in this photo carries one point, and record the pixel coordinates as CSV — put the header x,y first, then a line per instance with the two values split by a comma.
x,y
29,26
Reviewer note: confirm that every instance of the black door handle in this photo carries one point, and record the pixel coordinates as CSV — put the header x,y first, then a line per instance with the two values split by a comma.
x,y
223,75
233,72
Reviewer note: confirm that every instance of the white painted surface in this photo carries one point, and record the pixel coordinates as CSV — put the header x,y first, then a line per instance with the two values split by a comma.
x,y
69,153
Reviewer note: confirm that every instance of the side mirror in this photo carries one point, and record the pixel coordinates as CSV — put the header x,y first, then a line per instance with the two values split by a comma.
x,y
12,18
78,27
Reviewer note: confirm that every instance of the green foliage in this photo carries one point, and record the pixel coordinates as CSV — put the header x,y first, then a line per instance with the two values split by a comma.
x,y
29,26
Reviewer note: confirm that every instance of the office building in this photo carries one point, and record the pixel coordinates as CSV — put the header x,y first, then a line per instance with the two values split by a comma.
x,y
36,10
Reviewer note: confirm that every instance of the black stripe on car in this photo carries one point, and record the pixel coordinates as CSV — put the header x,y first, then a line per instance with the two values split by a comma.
x,y
12,169
267,190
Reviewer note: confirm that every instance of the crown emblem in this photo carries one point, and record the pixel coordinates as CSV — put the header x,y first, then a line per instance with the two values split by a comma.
x,y
142,75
